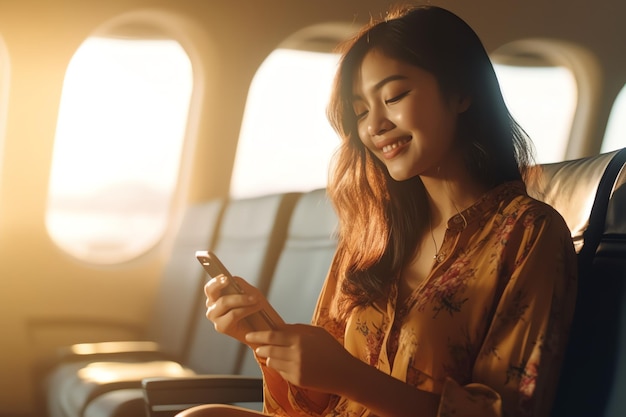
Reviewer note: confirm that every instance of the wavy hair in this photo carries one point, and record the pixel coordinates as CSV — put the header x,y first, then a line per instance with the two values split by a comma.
x,y
381,220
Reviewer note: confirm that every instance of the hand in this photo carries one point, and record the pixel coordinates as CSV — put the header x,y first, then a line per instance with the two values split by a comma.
x,y
228,312
306,356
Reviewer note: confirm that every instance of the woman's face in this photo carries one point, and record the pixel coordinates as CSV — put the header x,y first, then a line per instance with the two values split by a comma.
x,y
403,118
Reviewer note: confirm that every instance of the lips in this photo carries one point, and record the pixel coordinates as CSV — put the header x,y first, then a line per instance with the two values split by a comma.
x,y
389,147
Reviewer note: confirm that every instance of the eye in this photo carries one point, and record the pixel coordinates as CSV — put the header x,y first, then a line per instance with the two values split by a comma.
x,y
361,115
397,98
360,109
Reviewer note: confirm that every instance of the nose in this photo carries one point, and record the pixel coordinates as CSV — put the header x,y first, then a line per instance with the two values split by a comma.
x,y
378,124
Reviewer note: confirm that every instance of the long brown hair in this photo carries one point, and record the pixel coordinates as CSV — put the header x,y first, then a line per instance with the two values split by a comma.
x,y
381,220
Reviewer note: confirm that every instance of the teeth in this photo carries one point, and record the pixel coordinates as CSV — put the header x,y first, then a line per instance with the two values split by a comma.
x,y
391,147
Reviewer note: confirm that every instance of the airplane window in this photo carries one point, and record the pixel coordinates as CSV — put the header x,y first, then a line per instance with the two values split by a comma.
x,y
616,126
286,141
543,100
117,147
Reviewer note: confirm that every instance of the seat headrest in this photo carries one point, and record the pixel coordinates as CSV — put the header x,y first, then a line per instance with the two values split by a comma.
x,y
570,187
313,216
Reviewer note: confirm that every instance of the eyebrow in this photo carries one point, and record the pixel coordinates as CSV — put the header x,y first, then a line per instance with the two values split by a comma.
x,y
381,84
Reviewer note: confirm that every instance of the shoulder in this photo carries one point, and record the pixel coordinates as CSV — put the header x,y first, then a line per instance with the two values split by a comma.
x,y
520,213
516,201
541,225
535,229
539,212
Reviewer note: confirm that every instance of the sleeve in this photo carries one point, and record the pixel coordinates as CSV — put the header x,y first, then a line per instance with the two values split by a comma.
x,y
516,371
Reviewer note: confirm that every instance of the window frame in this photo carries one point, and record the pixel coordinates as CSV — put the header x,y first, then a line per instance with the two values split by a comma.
x,y
586,70
148,31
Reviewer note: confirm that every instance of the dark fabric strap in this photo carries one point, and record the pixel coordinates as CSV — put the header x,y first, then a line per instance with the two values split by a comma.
x,y
597,217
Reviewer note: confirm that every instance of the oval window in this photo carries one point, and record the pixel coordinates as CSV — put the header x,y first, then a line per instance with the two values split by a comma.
x,y
117,149
286,141
615,135
542,99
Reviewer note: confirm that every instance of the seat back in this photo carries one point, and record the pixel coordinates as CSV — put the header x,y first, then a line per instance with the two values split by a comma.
x,y
590,378
303,264
249,241
174,311
570,187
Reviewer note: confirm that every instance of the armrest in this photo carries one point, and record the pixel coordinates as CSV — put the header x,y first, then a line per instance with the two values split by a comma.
x,y
168,396
108,351
142,351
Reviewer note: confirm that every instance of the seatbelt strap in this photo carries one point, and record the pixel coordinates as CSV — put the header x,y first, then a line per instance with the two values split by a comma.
x,y
597,217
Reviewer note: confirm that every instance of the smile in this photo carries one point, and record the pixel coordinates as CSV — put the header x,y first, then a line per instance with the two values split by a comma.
x,y
392,146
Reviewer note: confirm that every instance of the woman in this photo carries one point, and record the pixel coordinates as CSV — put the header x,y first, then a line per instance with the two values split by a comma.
x,y
452,291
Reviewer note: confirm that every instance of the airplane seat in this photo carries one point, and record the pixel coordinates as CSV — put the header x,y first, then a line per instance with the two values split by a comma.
x,y
593,380
303,265
570,187
249,238
249,246
593,371
299,275
167,333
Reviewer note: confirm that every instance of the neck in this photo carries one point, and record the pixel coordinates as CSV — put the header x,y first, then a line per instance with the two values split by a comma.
x,y
450,196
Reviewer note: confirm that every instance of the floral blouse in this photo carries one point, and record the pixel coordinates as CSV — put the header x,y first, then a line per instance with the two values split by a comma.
x,y
486,330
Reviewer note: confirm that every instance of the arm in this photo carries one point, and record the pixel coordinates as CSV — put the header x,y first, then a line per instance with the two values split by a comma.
x,y
311,359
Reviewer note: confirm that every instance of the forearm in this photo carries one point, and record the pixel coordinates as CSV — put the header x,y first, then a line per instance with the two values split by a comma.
x,y
385,395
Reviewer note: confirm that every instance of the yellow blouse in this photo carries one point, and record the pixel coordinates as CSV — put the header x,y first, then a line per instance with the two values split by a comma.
x,y
486,329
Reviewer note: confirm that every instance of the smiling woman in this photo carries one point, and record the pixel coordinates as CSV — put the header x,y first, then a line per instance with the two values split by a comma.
x,y
448,280
117,149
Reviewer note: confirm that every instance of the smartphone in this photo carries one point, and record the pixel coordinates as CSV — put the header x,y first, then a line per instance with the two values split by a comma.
x,y
214,267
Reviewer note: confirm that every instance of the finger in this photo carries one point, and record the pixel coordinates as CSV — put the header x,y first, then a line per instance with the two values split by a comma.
x,y
262,352
230,320
278,364
246,286
275,363
213,288
270,337
277,353
235,306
